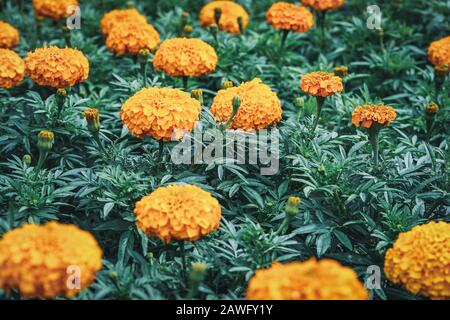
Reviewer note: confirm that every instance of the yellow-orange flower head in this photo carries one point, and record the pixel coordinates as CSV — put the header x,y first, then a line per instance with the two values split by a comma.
x,y
162,113
439,52
367,115
39,260
178,212
310,280
420,260
116,17
12,69
9,37
230,13
57,68
185,57
131,37
54,9
259,108
288,16
322,5
321,84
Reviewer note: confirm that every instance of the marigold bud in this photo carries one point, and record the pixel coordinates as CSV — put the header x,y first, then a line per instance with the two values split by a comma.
x,y
321,169
93,119
227,84
130,4
292,206
198,95
340,71
299,102
236,104
45,140
187,29
26,159
432,108
198,272
442,71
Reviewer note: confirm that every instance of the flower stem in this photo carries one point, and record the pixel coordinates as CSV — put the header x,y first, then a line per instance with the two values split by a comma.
x,y
161,151
320,101
144,72
183,257
284,36
185,82
286,222
374,138
98,141
42,157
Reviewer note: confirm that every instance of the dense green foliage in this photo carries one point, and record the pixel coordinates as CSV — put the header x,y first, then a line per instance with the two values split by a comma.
x,y
349,211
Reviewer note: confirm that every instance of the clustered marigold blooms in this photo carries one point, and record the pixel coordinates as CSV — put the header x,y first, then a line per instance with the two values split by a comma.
x,y
162,113
368,114
230,13
322,5
310,280
180,212
185,57
57,68
288,16
9,37
131,37
116,17
54,9
259,108
321,84
12,69
439,52
36,259
420,260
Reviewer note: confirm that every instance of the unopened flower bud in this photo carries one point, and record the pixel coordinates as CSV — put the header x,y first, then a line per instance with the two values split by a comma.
x,y
45,140
432,108
198,272
292,205
93,119
113,275
187,29
340,71
321,169
26,159
197,94
227,84
236,104
299,102
129,4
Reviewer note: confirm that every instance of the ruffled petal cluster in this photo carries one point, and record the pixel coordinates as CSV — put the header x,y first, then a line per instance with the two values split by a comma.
x,y
48,260
178,212
288,16
321,84
57,68
439,52
322,5
54,9
131,37
9,36
116,17
230,13
368,114
12,69
310,280
160,113
185,57
420,260
260,106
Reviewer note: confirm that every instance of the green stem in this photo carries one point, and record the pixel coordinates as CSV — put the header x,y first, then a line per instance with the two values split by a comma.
x,y
98,141
59,105
319,101
284,36
161,151
144,72
183,257
374,138
185,82
286,222
42,157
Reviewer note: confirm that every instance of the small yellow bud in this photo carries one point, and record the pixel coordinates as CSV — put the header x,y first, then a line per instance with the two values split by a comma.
x,y
92,117
26,159
292,206
340,71
227,84
299,102
197,94
188,29
432,108
198,272
442,71
45,140
61,92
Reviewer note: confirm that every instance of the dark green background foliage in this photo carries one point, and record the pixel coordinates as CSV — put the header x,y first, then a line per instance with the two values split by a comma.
x,y
349,212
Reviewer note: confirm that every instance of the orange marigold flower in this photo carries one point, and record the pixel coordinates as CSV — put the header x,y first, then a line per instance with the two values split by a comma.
x,y
259,108
288,16
180,212
368,114
12,69
131,37
54,9
116,17
420,260
161,113
321,84
185,57
310,280
230,13
9,37
57,68
439,52
39,260
322,5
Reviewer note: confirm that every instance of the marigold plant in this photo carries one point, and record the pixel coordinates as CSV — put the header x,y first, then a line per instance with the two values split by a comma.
x,y
38,260
9,36
439,52
322,5
131,37
420,260
116,17
321,84
178,212
57,68
230,13
12,69
183,57
259,108
367,115
160,113
288,16
310,280
53,9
